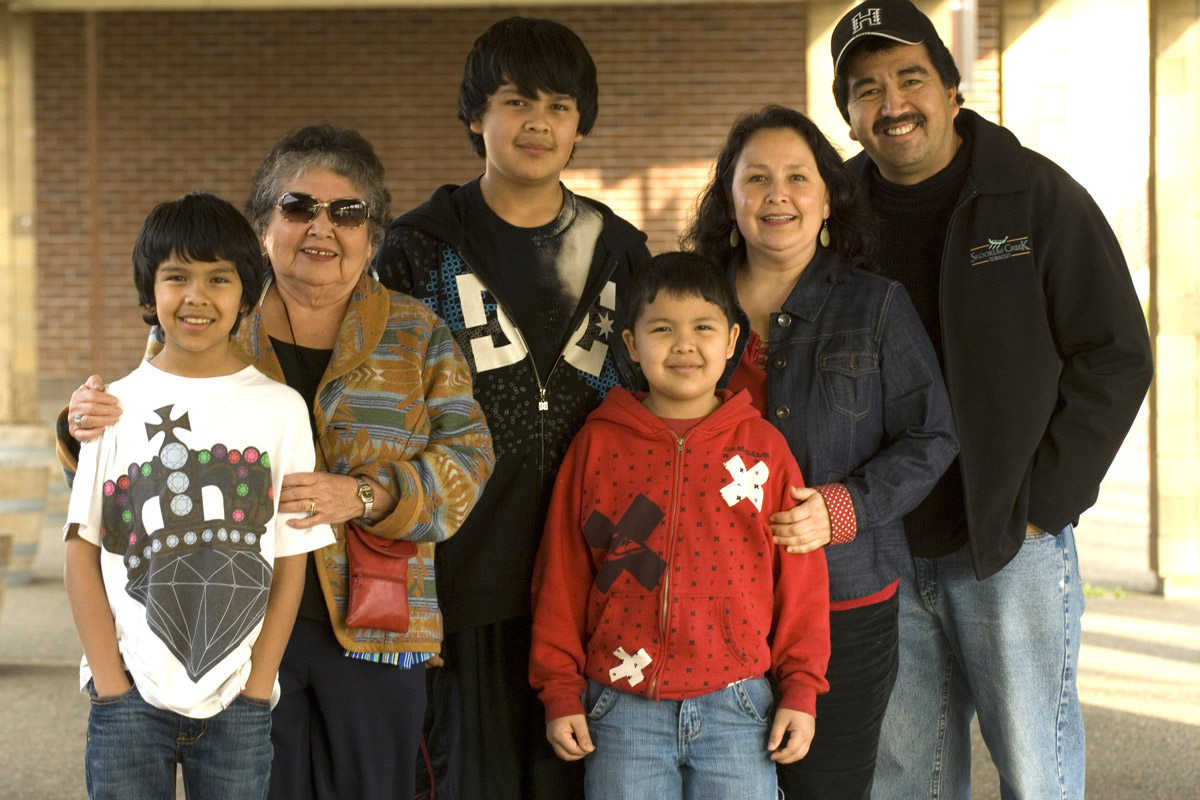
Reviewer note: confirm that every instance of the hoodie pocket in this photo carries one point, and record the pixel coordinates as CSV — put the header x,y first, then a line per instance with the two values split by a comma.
x,y
628,625
705,632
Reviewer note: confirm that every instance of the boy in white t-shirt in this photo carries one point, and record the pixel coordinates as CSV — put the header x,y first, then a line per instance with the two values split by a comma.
x,y
182,578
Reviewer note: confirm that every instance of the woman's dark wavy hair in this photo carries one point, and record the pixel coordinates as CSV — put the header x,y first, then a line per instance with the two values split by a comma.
x,y
534,55
708,231
198,227
340,150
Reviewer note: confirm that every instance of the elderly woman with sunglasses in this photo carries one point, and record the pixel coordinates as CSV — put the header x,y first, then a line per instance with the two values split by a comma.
x,y
403,445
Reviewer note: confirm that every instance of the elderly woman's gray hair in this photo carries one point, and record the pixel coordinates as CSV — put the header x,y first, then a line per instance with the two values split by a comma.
x,y
321,147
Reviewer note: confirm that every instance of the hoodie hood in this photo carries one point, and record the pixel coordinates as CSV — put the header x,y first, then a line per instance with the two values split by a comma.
x,y
622,407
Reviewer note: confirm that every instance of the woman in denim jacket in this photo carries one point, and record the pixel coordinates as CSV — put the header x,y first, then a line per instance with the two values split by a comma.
x,y
836,357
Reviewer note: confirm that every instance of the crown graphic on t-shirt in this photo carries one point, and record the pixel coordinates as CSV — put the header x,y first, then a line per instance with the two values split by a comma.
x,y
184,500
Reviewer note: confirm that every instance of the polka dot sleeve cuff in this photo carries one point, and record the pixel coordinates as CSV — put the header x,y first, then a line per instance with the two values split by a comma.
x,y
842,519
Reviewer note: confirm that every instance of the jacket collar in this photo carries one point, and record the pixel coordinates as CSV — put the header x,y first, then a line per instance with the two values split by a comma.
x,y
996,166
362,330
625,408
996,163
808,296
806,300
439,217
812,289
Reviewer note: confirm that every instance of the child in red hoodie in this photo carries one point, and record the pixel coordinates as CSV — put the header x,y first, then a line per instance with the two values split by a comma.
x,y
660,600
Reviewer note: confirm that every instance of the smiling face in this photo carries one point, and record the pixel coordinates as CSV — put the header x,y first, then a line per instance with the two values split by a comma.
x,y
528,140
197,303
682,344
317,255
779,198
901,113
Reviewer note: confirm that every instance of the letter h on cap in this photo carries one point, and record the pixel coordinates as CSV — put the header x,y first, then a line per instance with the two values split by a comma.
x,y
868,17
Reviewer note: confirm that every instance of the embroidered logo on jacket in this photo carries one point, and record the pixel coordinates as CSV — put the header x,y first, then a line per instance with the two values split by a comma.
x,y
626,544
747,483
1000,250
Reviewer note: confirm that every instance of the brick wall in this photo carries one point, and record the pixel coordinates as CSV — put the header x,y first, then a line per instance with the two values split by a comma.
x,y
193,100
186,101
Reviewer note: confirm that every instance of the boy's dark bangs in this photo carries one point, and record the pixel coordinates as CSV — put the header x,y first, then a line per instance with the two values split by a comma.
x,y
552,71
198,250
193,231
680,274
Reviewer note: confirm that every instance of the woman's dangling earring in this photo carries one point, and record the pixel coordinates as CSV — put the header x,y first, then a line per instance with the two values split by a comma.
x,y
823,238
734,238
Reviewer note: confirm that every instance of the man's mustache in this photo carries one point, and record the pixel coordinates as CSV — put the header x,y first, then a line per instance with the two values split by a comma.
x,y
883,123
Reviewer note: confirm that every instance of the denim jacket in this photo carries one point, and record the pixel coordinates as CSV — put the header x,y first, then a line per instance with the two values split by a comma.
x,y
854,386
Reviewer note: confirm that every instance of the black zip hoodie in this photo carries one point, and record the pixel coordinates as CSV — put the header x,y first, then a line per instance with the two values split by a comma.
x,y
485,570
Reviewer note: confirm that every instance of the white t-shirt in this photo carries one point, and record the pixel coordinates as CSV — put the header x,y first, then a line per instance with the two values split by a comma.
x,y
180,495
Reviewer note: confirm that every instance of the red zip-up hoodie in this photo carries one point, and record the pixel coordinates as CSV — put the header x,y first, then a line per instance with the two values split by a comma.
x,y
657,574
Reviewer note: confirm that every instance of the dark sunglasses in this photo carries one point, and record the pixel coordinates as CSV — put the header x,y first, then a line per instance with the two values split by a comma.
x,y
303,208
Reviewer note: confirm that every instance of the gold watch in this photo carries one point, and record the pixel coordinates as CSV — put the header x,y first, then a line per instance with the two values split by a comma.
x,y
367,495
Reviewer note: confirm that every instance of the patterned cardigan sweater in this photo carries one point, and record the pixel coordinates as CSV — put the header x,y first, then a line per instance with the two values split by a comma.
x,y
395,405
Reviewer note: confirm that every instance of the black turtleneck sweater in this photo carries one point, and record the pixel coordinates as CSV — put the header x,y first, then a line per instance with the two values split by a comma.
x,y
913,221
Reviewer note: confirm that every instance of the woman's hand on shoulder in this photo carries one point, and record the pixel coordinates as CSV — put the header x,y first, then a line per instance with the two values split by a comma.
x,y
804,527
91,410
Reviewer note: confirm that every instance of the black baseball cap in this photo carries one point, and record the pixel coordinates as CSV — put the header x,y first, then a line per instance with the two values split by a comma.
x,y
898,20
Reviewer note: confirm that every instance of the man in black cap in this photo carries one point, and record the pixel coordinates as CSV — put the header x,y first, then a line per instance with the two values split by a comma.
x,y
1027,298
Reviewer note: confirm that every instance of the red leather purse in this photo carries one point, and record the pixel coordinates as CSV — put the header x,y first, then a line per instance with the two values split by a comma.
x,y
378,580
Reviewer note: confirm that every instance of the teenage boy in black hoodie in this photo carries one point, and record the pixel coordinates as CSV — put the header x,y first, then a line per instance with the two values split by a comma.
x,y
526,274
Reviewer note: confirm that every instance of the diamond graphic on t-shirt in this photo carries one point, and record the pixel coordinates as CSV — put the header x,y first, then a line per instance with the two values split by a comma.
x,y
188,524
202,604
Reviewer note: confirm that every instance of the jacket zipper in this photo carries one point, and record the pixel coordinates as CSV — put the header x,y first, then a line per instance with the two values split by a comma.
x,y
946,362
665,610
543,403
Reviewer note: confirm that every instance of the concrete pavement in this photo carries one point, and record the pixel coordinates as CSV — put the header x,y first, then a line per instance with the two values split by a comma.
x,y
1139,682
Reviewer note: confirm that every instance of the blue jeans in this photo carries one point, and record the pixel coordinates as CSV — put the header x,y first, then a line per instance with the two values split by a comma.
x,y
1007,648
712,747
132,749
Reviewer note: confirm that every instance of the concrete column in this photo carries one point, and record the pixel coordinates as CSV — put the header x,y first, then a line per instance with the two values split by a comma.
x,y
18,246
1175,306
